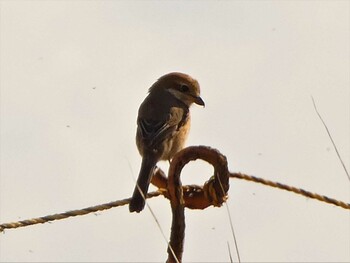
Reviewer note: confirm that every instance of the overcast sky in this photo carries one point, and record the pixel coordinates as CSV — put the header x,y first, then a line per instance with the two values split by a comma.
x,y
73,74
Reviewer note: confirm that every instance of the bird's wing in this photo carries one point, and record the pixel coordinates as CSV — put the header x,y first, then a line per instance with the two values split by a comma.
x,y
154,132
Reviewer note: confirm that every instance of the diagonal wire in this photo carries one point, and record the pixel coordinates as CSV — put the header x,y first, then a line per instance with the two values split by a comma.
x,y
330,137
158,224
233,233
163,234
154,216
229,252
231,225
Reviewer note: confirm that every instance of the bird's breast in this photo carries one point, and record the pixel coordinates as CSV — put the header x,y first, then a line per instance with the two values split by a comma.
x,y
176,143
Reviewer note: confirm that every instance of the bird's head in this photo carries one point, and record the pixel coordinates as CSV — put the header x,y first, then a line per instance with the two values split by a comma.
x,y
181,86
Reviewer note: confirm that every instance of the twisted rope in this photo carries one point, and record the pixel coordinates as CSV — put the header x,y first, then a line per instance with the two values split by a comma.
x,y
194,190
77,212
293,189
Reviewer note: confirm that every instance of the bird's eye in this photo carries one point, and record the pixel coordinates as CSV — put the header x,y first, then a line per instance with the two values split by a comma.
x,y
184,88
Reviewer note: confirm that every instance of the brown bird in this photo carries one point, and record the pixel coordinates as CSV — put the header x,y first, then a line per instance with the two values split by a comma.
x,y
163,124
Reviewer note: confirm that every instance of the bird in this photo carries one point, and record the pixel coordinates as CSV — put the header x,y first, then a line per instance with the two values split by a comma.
x,y
163,125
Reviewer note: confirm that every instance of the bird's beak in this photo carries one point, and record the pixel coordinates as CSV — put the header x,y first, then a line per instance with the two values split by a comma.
x,y
199,101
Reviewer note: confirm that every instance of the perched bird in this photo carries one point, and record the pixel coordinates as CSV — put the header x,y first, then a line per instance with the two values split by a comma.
x,y
163,124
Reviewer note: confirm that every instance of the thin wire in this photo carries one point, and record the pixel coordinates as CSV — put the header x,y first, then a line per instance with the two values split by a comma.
x,y
330,137
229,252
231,224
156,219
161,230
233,232
159,226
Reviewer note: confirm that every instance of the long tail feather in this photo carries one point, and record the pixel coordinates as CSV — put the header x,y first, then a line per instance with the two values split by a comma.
x,y
137,202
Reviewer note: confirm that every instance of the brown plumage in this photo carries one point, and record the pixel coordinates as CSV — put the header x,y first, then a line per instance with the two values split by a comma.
x,y
163,124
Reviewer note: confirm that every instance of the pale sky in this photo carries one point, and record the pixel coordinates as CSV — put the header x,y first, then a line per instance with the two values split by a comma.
x,y
73,74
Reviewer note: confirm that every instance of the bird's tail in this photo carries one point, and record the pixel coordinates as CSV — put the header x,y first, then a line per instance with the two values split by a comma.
x,y
137,202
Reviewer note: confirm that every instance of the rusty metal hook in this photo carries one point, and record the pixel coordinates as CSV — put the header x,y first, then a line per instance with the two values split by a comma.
x,y
214,192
